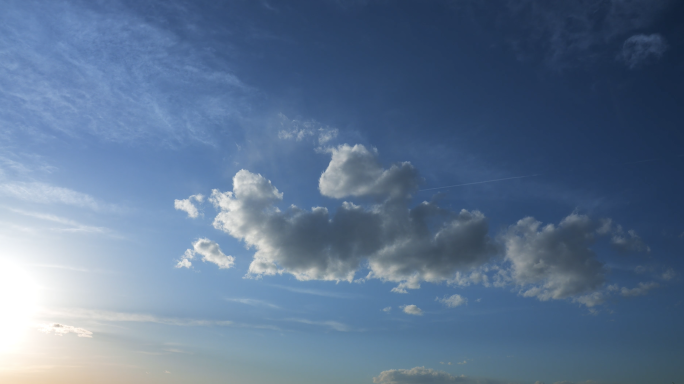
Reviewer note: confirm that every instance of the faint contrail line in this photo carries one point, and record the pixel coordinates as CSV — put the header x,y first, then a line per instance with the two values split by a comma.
x,y
642,161
477,182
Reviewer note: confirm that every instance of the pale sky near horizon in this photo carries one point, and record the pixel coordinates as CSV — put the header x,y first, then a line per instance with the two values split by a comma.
x,y
341,191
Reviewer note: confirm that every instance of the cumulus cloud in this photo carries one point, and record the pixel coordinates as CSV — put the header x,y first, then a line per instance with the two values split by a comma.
x,y
400,244
640,49
553,262
412,309
453,301
185,262
422,375
387,309
406,245
356,171
210,252
187,205
640,290
61,330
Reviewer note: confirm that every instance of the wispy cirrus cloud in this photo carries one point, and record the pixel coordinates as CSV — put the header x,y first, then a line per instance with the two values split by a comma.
x,y
253,302
640,49
68,225
333,325
104,59
112,316
568,33
42,193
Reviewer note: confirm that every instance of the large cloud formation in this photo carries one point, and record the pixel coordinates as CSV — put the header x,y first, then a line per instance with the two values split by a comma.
x,y
400,244
408,245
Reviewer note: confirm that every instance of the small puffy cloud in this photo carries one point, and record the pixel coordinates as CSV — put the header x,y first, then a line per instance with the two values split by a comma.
x,y
553,262
188,206
593,299
412,310
185,262
640,290
639,49
355,171
61,330
669,274
453,301
210,252
387,309
420,375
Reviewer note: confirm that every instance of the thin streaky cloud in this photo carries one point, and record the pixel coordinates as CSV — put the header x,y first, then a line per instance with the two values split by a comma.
x,y
128,317
43,193
316,292
477,182
334,325
642,161
69,268
254,303
74,226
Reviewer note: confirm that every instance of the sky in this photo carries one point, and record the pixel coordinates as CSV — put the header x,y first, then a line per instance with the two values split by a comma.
x,y
341,191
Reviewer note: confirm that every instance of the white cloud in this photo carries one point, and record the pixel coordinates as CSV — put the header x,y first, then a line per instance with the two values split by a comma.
x,y
187,205
293,129
623,241
412,309
334,325
572,33
42,193
104,62
422,375
398,243
410,246
210,252
453,301
61,330
254,303
552,262
640,49
69,225
110,316
640,290
355,171
669,274
387,309
185,261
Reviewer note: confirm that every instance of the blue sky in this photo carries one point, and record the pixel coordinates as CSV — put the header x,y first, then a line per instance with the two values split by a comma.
x,y
342,191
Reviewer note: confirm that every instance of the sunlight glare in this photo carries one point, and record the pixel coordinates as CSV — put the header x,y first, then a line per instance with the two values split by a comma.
x,y
18,295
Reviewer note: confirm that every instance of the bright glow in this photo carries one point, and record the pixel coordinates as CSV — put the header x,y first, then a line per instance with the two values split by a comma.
x,y
17,304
